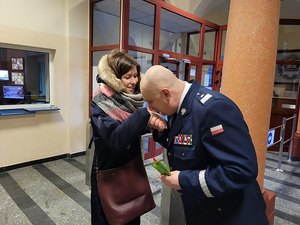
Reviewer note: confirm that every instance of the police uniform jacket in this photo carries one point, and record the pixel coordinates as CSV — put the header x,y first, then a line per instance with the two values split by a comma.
x,y
210,144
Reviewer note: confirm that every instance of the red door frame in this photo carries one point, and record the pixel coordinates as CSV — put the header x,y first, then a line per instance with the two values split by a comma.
x,y
217,73
157,53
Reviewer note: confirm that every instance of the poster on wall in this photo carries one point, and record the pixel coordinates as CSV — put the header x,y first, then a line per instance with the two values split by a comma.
x,y
17,63
288,72
17,78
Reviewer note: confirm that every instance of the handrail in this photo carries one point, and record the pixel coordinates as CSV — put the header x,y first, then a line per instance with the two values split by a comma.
x,y
148,135
282,141
145,136
292,138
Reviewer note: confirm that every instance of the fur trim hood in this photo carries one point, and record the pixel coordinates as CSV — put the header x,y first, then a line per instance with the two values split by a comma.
x,y
108,76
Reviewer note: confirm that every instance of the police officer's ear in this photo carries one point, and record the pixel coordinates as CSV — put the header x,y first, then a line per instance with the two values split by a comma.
x,y
166,92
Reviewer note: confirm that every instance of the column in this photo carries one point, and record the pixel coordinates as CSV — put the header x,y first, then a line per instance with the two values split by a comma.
x,y
249,69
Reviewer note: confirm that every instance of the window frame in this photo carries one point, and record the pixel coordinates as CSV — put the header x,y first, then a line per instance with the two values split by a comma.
x,y
50,77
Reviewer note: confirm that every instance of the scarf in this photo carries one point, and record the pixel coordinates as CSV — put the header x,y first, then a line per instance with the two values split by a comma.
x,y
118,106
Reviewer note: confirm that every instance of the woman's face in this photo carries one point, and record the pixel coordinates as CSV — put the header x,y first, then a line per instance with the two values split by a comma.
x,y
130,80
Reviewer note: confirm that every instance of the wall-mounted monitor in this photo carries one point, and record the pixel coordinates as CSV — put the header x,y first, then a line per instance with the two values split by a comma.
x,y
4,75
13,92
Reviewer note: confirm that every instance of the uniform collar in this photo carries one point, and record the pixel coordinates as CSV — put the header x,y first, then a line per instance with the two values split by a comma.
x,y
187,101
186,89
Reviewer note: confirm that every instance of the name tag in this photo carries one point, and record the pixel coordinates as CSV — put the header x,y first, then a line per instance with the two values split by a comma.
x,y
183,139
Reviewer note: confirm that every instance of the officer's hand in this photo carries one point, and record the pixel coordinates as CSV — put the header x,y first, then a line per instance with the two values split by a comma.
x,y
171,181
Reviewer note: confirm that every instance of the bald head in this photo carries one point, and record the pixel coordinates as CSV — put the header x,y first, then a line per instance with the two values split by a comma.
x,y
158,77
162,88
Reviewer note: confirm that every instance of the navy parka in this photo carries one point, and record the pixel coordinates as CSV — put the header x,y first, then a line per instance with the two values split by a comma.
x,y
115,144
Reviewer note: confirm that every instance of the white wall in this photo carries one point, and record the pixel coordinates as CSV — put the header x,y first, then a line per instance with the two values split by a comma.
x,y
62,26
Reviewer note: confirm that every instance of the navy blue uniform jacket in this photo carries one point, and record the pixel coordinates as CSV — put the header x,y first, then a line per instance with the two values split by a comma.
x,y
210,144
115,144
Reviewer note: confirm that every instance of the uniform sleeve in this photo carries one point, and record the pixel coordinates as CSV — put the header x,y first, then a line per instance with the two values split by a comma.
x,y
118,135
233,164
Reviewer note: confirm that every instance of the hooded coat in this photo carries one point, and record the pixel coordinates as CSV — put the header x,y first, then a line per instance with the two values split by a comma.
x,y
116,142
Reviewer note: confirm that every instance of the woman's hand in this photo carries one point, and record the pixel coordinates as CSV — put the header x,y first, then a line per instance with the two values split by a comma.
x,y
157,121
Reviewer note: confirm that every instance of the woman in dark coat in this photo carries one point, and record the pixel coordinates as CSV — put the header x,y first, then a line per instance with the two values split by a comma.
x,y
118,120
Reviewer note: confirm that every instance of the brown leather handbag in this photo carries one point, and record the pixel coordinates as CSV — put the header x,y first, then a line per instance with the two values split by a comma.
x,y
124,192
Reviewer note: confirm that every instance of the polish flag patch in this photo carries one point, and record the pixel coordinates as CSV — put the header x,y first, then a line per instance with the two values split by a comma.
x,y
216,130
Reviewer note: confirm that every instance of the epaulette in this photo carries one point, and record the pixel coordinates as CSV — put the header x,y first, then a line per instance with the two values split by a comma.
x,y
204,97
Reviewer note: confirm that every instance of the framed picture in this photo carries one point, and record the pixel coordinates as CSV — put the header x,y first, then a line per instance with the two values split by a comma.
x,y
17,63
17,78
288,72
287,75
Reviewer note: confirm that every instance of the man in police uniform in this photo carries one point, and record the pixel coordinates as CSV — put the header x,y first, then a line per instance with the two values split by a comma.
x,y
210,151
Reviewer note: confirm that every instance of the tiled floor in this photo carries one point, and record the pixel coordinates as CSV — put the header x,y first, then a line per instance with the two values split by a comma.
x,y
286,185
55,193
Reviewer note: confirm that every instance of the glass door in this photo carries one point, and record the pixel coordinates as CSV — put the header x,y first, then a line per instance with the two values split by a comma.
x,y
286,82
217,73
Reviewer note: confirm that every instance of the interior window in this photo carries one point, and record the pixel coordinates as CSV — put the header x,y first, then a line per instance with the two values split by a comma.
x,y
206,76
141,24
106,22
209,43
24,77
179,34
287,69
144,59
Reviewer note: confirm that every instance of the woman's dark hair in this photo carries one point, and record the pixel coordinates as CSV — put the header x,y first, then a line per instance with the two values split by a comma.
x,y
121,62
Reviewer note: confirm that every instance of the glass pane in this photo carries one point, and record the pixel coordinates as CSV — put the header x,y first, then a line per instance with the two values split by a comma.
x,y
170,66
288,43
286,81
224,33
221,80
96,58
174,31
144,59
24,77
106,22
193,72
206,76
194,42
209,43
141,24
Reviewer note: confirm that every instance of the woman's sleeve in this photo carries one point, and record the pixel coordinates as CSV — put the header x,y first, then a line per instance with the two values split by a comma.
x,y
118,135
161,137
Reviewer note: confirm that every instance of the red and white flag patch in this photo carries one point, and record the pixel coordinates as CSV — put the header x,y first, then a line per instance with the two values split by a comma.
x,y
217,129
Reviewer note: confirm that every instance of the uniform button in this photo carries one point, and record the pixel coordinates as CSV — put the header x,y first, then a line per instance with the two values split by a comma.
x,y
182,154
219,209
198,93
169,153
167,139
128,147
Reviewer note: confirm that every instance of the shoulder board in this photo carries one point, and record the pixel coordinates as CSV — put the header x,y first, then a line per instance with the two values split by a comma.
x,y
204,98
